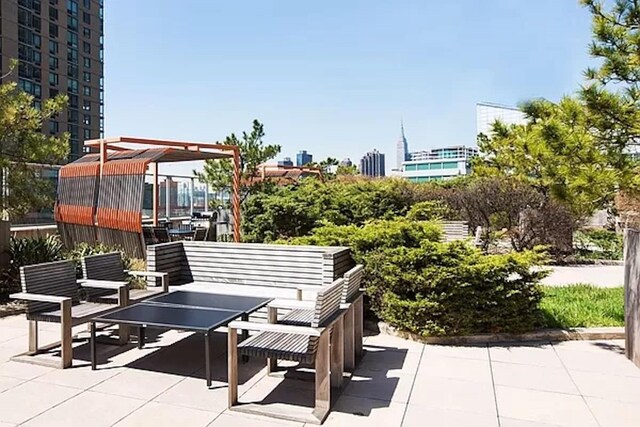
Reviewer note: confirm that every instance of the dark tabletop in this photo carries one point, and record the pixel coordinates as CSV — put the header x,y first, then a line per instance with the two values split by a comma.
x,y
218,301
174,317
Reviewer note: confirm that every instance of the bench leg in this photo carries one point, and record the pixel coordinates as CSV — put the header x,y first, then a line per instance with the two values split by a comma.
x,y
66,338
272,317
323,382
124,331
33,336
232,366
359,326
92,329
337,353
245,335
349,340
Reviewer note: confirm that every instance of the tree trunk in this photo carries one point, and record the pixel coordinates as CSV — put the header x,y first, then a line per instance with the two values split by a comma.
x,y
5,233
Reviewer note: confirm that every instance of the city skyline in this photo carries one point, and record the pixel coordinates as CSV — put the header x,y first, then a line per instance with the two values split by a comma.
x,y
336,92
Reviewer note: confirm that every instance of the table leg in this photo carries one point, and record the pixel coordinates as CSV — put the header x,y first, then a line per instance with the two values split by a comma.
x,y
207,357
140,336
92,329
245,335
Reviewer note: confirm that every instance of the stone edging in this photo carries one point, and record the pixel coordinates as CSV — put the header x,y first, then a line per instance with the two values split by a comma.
x,y
6,311
541,335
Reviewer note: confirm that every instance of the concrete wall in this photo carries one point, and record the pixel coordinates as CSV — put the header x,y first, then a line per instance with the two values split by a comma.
x,y
632,294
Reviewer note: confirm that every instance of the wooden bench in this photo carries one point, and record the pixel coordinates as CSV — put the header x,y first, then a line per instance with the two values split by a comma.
x,y
280,271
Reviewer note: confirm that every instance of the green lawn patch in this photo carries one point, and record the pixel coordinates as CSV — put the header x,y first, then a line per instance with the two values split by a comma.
x,y
582,305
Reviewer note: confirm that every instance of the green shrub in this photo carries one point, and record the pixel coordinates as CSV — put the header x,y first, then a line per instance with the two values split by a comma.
x,y
295,210
420,284
27,251
85,249
454,289
429,210
598,244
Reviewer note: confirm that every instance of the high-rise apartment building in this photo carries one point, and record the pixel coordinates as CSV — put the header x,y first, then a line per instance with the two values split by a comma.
x,y
402,149
439,163
303,158
372,164
487,113
59,46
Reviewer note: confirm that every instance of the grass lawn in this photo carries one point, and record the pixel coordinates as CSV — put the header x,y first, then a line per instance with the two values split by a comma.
x,y
582,306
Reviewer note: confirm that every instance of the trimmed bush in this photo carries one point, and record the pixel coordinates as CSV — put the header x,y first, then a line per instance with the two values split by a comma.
x,y
420,284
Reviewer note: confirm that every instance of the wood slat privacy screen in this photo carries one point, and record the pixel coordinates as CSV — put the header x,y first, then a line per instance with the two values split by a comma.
x,y
76,202
107,209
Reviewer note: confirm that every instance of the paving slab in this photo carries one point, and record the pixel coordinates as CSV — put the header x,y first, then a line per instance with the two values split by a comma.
x,y
462,369
164,415
29,399
536,354
614,414
448,393
419,416
359,411
87,408
138,384
236,419
533,377
543,407
479,352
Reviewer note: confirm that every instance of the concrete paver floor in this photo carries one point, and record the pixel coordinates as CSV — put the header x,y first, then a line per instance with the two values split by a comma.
x,y
397,383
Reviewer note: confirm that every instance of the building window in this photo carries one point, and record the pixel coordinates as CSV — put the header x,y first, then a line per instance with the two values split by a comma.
x,y
72,71
86,4
72,116
73,101
72,84
73,130
53,30
53,63
37,58
72,23
450,165
72,55
86,90
86,47
54,127
72,39
53,93
53,47
37,105
86,105
86,77
25,35
86,134
72,7
37,90
86,119
86,32
53,13
86,62
86,17
53,79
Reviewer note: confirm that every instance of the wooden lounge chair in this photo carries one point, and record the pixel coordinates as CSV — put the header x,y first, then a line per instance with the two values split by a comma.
x,y
109,267
352,302
320,345
52,294
199,234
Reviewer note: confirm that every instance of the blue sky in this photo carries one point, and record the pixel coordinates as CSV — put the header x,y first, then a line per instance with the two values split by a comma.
x,y
333,77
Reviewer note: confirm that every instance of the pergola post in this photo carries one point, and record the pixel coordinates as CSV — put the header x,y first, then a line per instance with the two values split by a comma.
x,y
167,196
155,201
235,197
191,191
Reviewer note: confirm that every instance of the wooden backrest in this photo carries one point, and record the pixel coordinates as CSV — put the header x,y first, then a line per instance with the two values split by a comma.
x,y
248,264
161,234
51,278
455,230
199,233
327,302
104,267
352,283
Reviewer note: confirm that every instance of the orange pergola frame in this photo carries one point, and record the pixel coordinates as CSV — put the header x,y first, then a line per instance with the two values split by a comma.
x,y
174,151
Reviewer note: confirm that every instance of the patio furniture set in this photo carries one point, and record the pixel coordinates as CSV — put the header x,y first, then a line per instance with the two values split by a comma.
x,y
303,304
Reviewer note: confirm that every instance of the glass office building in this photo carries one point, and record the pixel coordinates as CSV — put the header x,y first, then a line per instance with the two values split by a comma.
x,y
487,113
438,163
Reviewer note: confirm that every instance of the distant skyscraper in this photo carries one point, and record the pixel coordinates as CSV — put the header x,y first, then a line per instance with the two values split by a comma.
x,y
439,163
346,162
285,162
302,158
402,149
487,113
372,164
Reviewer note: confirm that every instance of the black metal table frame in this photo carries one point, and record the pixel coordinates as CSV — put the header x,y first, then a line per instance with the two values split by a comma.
x,y
234,314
